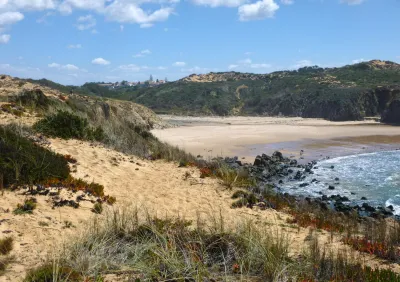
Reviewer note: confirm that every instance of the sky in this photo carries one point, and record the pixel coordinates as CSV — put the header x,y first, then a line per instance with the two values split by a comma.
x,y
78,41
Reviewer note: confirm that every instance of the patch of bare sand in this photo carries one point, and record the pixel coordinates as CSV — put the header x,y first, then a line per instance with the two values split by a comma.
x,y
162,188
246,136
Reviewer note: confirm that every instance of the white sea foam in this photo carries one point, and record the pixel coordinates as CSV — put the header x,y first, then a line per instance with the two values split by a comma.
x,y
375,176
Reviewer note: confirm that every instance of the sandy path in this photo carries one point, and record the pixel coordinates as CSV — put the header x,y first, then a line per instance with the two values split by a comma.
x,y
246,136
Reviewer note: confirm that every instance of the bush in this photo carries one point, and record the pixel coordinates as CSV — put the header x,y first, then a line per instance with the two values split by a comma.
x,y
23,162
66,125
6,245
27,207
50,273
34,99
97,208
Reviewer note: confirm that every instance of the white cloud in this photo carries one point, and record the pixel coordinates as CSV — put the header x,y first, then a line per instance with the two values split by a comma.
x,y
74,46
302,64
86,22
248,63
43,19
4,38
142,53
245,62
260,66
67,6
287,2
100,61
33,4
130,67
146,25
248,53
68,67
195,69
179,64
220,3
124,12
357,61
352,2
9,18
258,10
121,27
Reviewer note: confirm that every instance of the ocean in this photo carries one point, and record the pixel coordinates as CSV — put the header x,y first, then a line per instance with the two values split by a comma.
x,y
375,176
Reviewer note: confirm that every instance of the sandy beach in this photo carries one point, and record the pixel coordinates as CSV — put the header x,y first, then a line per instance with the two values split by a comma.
x,y
247,137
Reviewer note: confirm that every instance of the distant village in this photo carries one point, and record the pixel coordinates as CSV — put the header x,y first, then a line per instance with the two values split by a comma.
x,y
147,83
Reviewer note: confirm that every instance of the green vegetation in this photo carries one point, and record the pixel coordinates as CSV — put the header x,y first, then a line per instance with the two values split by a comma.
x,y
6,245
33,99
346,93
66,125
172,249
52,272
27,207
23,162
97,208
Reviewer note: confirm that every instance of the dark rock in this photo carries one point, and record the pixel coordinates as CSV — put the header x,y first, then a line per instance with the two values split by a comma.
x,y
257,161
392,113
368,208
331,187
332,166
304,184
337,179
363,198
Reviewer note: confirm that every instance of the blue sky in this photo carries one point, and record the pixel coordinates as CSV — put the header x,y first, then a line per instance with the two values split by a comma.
x,y
75,41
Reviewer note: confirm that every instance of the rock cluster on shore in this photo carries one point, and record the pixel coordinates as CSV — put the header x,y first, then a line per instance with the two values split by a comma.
x,y
276,170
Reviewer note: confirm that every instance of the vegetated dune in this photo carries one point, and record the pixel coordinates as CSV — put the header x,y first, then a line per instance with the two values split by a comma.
x,y
161,188
103,109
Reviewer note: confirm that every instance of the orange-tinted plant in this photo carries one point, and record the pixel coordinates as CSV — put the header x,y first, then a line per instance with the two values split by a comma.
x,y
380,249
205,172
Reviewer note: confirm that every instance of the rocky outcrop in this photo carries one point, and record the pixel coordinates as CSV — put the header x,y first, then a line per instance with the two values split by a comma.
x,y
392,113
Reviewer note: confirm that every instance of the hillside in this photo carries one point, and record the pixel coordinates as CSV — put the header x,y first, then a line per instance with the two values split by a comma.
x,y
347,93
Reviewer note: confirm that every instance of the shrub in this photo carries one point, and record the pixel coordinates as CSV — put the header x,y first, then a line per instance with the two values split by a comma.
x,y
97,208
76,185
6,245
169,249
23,162
27,207
50,273
66,125
34,99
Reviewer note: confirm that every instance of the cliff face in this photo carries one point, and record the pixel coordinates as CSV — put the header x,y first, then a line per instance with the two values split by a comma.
x,y
391,113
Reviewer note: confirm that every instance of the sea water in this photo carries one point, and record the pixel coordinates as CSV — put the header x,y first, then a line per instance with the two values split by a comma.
x,y
375,176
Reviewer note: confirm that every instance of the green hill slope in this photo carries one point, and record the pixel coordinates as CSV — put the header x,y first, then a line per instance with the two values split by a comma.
x,y
348,93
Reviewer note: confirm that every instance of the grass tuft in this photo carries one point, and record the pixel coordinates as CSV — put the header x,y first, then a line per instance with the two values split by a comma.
x,y
6,245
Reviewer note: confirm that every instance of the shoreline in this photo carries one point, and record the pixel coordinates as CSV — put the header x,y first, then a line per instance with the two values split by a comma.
x,y
247,137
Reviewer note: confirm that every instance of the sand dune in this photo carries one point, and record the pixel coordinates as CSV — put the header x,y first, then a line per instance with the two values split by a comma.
x,y
160,187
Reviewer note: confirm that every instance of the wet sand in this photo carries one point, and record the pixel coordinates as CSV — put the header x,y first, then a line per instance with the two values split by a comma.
x,y
249,136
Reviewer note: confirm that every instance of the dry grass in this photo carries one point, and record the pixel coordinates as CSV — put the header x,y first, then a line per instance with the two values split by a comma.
x,y
144,248
6,245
